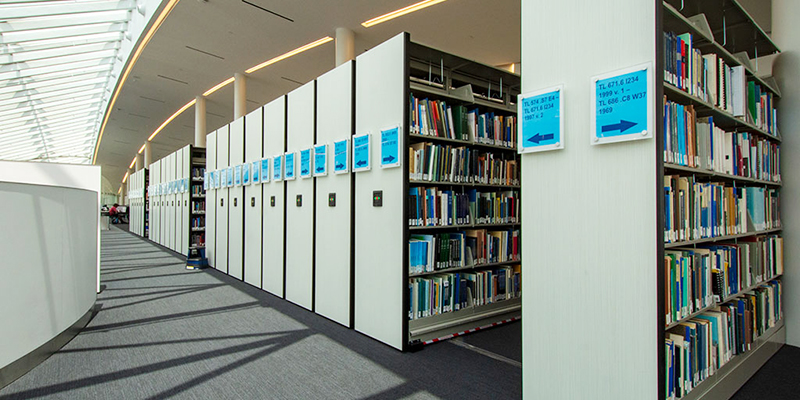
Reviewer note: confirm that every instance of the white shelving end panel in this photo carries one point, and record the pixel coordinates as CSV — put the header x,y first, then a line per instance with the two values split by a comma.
x,y
162,233
222,202
236,208
180,229
589,214
379,286
211,200
300,198
274,210
333,225
170,238
253,210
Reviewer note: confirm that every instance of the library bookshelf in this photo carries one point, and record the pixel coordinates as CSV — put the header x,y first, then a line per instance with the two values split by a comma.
x,y
197,198
733,105
663,238
420,212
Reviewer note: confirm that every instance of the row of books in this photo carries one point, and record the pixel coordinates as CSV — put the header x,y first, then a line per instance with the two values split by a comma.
x,y
198,205
436,207
442,293
444,163
697,142
696,349
698,210
469,248
198,172
198,222
198,239
436,118
705,275
197,190
710,78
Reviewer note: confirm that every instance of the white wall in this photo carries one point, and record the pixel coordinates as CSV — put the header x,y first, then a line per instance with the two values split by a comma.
x,y
589,228
49,267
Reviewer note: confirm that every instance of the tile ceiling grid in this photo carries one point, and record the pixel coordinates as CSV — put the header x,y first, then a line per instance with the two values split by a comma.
x,y
57,59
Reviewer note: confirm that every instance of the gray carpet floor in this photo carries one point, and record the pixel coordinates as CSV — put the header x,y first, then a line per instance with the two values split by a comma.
x,y
166,332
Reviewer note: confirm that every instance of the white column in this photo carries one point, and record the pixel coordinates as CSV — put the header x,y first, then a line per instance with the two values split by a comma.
x,y
148,155
345,45
239,96
139,162
200,122
785,33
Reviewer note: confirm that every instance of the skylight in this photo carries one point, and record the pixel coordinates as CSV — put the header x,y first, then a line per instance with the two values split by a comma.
x,y
56,63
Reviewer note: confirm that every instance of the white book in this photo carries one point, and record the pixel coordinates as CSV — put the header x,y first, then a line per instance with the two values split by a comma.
x,y
711,82
738,86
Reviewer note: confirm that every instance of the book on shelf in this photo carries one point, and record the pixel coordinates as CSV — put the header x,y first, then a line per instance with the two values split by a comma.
x,y
711,79
449,292
434,206
702,276
698,348
431,162
469,248
698,142
437,118
696,210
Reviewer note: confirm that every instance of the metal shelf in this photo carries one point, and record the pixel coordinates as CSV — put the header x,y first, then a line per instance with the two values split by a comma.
x,y
478,266
438,183
426,138
724,300
725,118
467,226
675,21
705,172
720,238
465,318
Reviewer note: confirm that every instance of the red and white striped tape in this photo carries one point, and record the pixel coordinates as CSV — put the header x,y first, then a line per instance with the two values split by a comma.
x,y
457,334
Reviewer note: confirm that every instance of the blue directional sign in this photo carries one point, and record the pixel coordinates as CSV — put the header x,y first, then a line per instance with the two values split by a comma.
x,y
237,175
288,172
340,156
321,160
265,170
361,153
305,163
390,147
277,168
540,123
622,106
246,174
205,180
256,166
230,177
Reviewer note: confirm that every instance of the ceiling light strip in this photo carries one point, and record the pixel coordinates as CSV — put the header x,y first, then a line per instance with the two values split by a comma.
x,y
141,149
182,109
219,86
284,56
132,163
397,13
131,62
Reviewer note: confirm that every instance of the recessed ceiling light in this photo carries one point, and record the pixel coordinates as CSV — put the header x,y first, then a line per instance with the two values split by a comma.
x,y
397,13
296,51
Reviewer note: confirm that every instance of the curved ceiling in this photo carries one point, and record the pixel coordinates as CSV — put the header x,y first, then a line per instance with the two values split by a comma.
x,y
57,64
204,42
